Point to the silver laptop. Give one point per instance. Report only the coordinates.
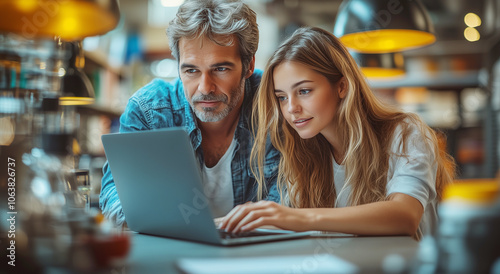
(158, 181)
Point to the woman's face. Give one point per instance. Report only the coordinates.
(307, 100)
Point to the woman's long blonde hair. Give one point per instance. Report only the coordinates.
(365, 125)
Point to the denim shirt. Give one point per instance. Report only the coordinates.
(161, 104)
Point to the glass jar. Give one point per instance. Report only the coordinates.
(468, 235)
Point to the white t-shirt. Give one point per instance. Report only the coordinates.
(218, 184)
(414, 176)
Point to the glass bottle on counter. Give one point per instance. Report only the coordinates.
(468, 235)
(64, 233)
(50, 204)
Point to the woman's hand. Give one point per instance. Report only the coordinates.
(400, 215)
(250, 216)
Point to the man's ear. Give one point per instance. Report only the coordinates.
(343, 87)
(251, 68)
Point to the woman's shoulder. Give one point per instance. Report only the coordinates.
(412, 125)
(412, 133)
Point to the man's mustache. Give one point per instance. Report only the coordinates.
(209, 97)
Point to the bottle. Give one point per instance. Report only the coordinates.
(48, 201)
(468, 235)
(64, 232)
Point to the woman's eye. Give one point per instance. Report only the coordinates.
(304, 91)
(281, 98)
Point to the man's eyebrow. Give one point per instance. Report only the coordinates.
(223, 64)
(294, 85)
(184, 65)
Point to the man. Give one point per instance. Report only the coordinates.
(214, 42)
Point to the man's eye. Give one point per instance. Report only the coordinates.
(190, 71)
(221, 69)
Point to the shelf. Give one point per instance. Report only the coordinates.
(442, 80)
(99, 59)
(100, 110)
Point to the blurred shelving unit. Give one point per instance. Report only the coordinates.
(97, 119)
(110, 77)
(450, 93)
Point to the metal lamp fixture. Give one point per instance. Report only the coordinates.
(67, 19)
(382, 26)
(378, 66)
(76, 86)
(60, 20)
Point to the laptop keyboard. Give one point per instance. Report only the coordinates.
(226, 235)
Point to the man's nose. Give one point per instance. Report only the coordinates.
(206, 85)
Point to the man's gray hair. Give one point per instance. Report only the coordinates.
(217, 20)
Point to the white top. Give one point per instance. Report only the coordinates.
(414, 176)
(218, 184)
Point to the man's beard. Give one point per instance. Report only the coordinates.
(209, 114)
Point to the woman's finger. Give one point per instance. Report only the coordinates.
(241, 215)
(223, 223)
(236, 215)
(250, 217)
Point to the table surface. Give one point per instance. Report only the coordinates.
(151, 254)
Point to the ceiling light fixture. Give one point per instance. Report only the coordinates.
(379, 66)
(171, 3)
(70, 19)
(378, 26)
(472, 20)
(76, 86)
(471, 34)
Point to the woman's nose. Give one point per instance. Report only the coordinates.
(293, 106)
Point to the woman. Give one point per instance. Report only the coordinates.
(349, 163)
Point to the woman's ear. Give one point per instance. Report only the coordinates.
(342, 87)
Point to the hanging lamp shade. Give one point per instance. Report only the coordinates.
(67, 19)
(381, 26)
(76, 86)
(379, 66)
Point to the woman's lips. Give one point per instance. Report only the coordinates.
(301, 122)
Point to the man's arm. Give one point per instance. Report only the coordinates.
(108, 198)
(273, 157)
(273, 194)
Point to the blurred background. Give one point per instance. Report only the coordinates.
(68, 68)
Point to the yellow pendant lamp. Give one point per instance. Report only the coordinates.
(382, 26)
(64, 21)
(68, 19)
(380, 66)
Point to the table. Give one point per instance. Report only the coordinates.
(152, 254)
